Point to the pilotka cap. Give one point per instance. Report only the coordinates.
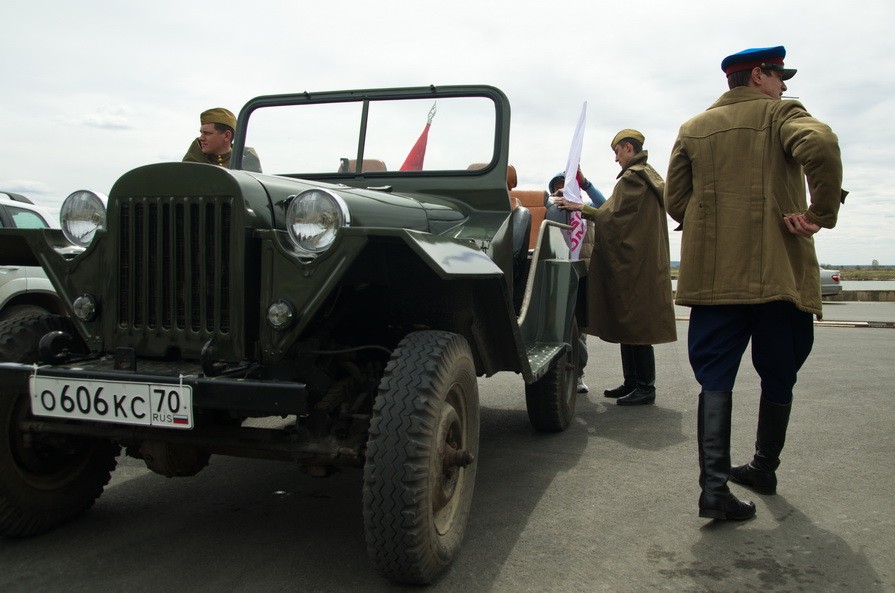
(218, 115)
(627, 133)
(768, 58)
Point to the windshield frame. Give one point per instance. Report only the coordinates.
(366, 98)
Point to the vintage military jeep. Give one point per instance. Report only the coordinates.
(335, 314)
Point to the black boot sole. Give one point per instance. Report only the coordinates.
(742, 509)
(616, 394)
(724, 516)
(628, 400)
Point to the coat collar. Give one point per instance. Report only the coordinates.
(637, 159)
(738, 95)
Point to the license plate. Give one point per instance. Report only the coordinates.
(145, 404)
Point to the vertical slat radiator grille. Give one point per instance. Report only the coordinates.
(174, 265)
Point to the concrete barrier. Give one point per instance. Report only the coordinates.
(873, 296)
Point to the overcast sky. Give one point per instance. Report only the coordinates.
(94, 88)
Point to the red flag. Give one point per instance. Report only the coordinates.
(414, 160)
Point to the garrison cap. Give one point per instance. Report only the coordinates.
(770, 58)
(218, 115)
(627, 133)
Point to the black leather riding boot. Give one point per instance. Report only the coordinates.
(630, 383)
(644, 367)
(713, 434)
(760, 474)
(644, 360)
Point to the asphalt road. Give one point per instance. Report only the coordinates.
(841, 312)
(608, 505)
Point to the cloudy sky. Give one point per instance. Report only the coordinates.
(94, 88)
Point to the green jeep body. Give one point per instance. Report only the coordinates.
(362, 353)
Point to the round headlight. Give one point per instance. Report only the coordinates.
(313, 219)
(280, 314)
(85, 307)
(82, 214)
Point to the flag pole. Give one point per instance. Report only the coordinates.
(417, 154)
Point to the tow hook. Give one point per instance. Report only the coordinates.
(53, 347)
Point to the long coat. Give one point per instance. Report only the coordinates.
(629, 282)
(735, 171)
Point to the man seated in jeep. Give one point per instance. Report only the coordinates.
(214, 144)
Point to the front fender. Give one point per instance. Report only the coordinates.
(308, 285)
(48, 249)
(450, 258)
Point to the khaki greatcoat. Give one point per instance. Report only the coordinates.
(735, 171)
(250, 160)
(629, 281)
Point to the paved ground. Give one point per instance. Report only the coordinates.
(841, 311)
(609, 505)
(858, 311)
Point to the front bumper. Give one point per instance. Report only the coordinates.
(228, 393)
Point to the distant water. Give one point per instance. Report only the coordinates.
(868, 284)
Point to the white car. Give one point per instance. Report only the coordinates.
(829, 282)
(25, 290)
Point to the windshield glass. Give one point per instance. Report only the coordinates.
(447, 134)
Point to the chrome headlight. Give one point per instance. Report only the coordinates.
(85, 307)
(313, 219)
(280, 314)
(82, 214)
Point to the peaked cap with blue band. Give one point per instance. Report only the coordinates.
(768, 58)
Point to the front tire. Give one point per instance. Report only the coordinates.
(420, 471)
(44, 482)
(21, 311)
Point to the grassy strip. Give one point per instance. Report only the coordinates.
(863, 273)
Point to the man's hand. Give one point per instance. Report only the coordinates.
(798, 224)
(567, 205)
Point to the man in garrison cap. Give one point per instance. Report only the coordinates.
(215, 141)
(629, 280)
(736, 183)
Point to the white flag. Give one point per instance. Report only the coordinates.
(571, 189)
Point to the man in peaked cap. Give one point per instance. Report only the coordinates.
(766, 58)
(629, 281)
(214, 144)
(736, 183)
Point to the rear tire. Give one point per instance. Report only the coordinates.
(420, 468)
(551, 399)
(44, 481)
